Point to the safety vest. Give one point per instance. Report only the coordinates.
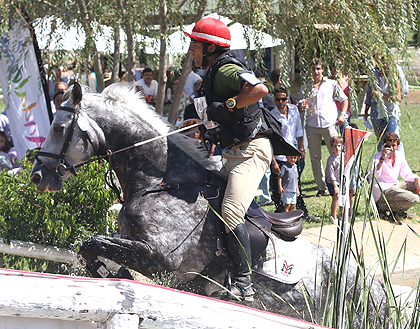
(244, 123)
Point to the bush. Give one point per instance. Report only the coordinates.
(62, 219)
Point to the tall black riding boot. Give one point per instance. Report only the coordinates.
(239, 247)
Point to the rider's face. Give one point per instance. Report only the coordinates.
(196, 49)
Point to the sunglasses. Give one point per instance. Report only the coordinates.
(283, 99)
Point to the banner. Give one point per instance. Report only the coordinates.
(353, 139)
(22, 89)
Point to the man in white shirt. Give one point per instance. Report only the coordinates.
(148, 85)
(189, 84)
(291, 127)
(319, 96)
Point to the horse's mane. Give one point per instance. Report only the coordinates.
(124, 93)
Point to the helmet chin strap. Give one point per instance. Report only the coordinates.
(206, 53)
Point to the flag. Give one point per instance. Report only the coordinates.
(23, 93)
(353, 140)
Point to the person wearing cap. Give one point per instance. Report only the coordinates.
(231, 96)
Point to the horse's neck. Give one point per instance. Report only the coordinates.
(141, 169)
(136, 165)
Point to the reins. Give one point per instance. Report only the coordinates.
(63, 166)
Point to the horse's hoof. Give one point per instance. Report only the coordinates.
(123, 273)
(97, 269)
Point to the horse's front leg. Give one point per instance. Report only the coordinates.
(135, 255)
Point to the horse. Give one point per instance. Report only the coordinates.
(169, 221)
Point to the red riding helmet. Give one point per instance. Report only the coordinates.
(211, 30)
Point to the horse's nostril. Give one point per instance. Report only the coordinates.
(36, 178)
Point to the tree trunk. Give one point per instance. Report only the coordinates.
(160, 99)
(97, 67)
(128, 29)
(186, 68)
(176, 99)
(117, 54)
(91, 45)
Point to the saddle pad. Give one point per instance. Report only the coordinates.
(285, 261)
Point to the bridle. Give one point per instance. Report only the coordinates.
(63, 166)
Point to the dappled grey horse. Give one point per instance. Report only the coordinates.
(168, 222)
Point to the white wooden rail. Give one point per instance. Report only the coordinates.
(32, 300)
(35, 250)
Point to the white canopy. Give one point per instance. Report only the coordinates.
(178, 42)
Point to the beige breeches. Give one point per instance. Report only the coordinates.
(245, 166)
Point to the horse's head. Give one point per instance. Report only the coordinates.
(72, 139)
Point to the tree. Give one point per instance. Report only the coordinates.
(355, 30)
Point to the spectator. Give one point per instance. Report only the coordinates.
(194, 132)
(265, 197)
(319, 96)
(53, 81)
(332, 174)
(278, 83)
(4, 125)
(288, 115)
(60, 87)
(183, 102)
(148, 85)
(388, 103)
(288, 183)
(189, 84)
(389, 193)
(4, 158)
(343, 82)
(88, 77)
(58, 98)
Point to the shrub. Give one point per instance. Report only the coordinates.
(62, 219)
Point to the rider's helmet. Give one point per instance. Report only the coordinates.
(211, 31)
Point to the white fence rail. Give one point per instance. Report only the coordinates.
(42, 301)
(35, 250)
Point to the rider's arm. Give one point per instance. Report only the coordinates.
(250, 94)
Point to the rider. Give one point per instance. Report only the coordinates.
(231, 93)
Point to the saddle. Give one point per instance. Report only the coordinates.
(260, 222)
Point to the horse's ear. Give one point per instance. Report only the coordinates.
(76, 95)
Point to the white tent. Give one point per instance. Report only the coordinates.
(74, 38)
(178, 42)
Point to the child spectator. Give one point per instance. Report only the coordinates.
(288, 183)
(332, 174)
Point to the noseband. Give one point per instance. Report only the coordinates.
(62, 166)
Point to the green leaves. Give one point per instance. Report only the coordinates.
(62, 219)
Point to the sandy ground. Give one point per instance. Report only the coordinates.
(397, 237)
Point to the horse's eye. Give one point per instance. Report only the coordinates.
(58, 129)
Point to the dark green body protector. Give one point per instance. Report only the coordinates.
(244, 123)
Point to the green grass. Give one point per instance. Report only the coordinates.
(320, 206)
(1, 106)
